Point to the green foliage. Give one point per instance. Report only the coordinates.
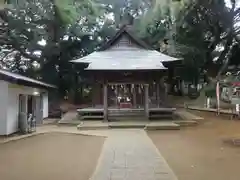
(31, 22)
(72, 11)
(152, 29)
(174, 6)
(74, 28)
(210, 90)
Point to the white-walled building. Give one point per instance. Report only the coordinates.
(19, 97)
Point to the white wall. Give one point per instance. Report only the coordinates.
(12, 111)
(2, 4)
(3, 107)
(13, 104)
(45, 105)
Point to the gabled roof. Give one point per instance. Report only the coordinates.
(124, 51)
(124, 30)
(22, 80)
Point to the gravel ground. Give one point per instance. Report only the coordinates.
(51, 156)
(198, 153)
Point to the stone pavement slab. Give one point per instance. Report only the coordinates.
(69, 118)
(164, 125)
(147, 125)
(131, 155)
(185, 115)
(222, 111)
(53, 128)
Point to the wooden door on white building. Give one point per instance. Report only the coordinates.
(23, 110)
(38, 109)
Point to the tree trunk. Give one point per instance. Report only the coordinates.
(227, 50)
(228, 45)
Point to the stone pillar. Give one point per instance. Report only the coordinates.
(146, 92)
(105, 101)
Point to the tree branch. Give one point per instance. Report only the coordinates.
(7, 54)
(228, 44)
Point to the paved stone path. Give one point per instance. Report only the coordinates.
(126, 155)
(131, 155)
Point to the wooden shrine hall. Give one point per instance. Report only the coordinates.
(127, 77)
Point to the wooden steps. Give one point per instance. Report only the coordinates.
(116, 114)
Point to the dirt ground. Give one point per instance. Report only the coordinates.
(198, 153)
(50, 156)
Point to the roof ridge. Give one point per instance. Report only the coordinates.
(122, 30)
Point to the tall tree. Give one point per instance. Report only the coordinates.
(39, 38)
(216, 24)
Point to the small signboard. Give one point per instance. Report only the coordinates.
(235, 96)
(235, 100)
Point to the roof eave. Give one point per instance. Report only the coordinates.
(12, 79)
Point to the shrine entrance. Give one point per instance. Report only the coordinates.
(126, 75)
(133, 101)
(126, 96)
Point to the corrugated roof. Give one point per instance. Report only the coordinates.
(24, 78)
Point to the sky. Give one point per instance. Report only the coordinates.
(228, 3)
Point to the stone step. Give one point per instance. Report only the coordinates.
(126, 114)
(90, 117)
(92, 126)
(127, 118)
(68, 123)
(127, 125)
(162, 126)
(156, 116)
(183, 114)
(188, 123)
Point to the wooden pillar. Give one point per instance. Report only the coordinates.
(158, 93)
(105, 101)
(170, 79)
(134, 96)
(115, 96)
(146, 92)
(94, 95)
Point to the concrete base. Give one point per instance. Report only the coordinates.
(185, 115)
(129, 124)
(68, 123)
(222, 111)
(186, 119)
(187, 123)
(162, 125)
(92, 125)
